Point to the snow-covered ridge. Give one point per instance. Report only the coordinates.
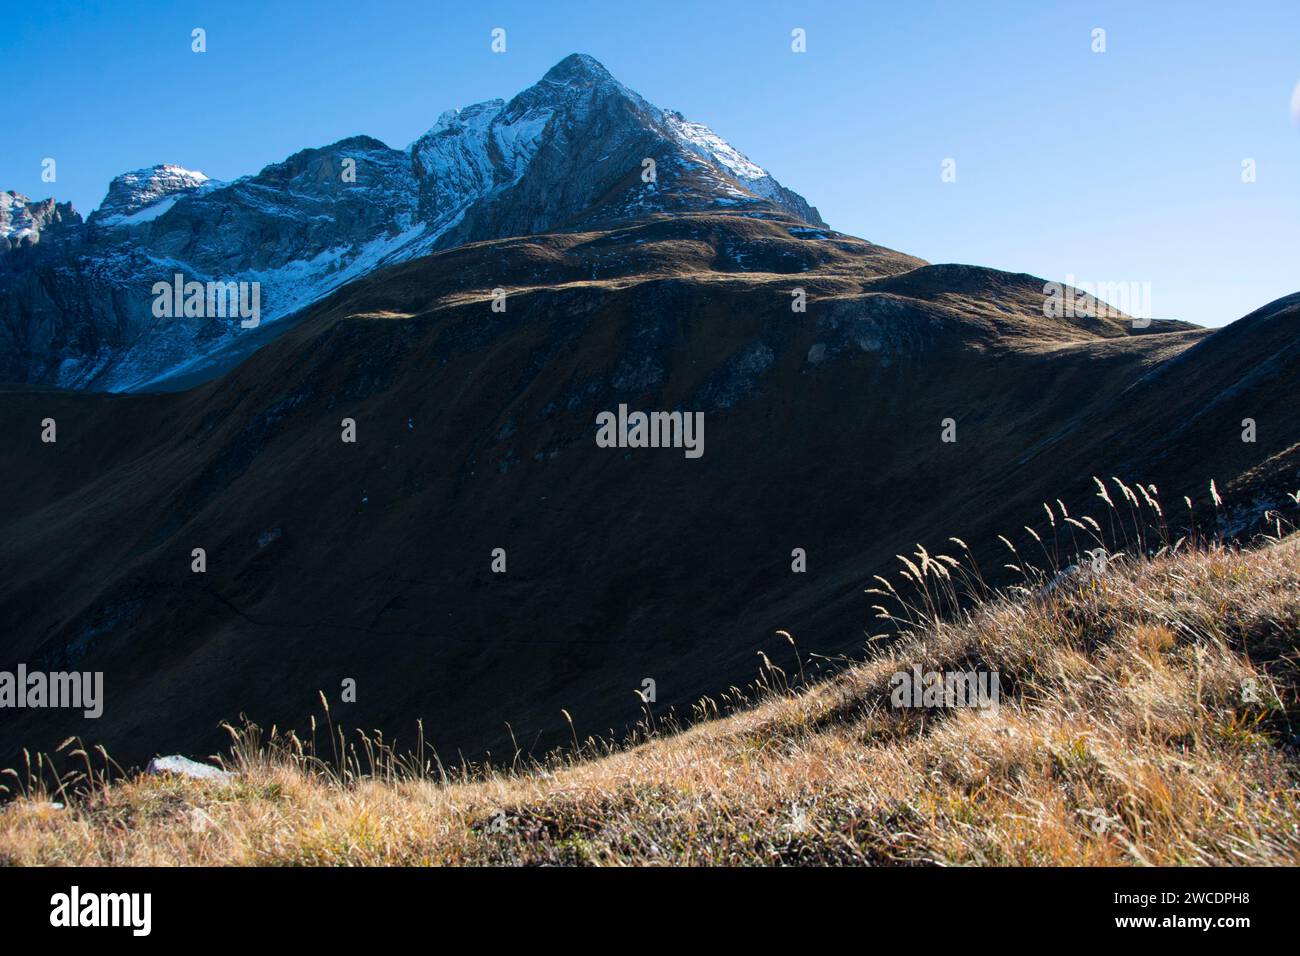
(453, 156)
(709, 145)
(476, 150)
(144, 194)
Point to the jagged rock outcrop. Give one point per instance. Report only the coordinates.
(23, 221)
(145, 194)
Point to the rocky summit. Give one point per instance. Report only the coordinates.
(574, 150)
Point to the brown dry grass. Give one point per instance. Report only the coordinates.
(1146, 718)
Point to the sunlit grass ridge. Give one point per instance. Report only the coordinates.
(1146, 717)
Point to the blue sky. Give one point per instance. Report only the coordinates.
(1123, 166)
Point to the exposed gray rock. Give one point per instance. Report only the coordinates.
(22, 221)
(184, 767)
(141, 193)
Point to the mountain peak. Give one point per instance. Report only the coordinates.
(578, 68)
(140, 189)
(569, 152)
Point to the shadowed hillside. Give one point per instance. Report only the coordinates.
(371, 561)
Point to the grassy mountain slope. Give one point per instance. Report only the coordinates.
(1147, 716)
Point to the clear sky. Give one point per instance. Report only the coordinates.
(1122, 166)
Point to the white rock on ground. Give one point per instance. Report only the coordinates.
(185, 767)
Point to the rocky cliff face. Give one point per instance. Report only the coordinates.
(23, 221)
(569, 152)
(146, 194)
